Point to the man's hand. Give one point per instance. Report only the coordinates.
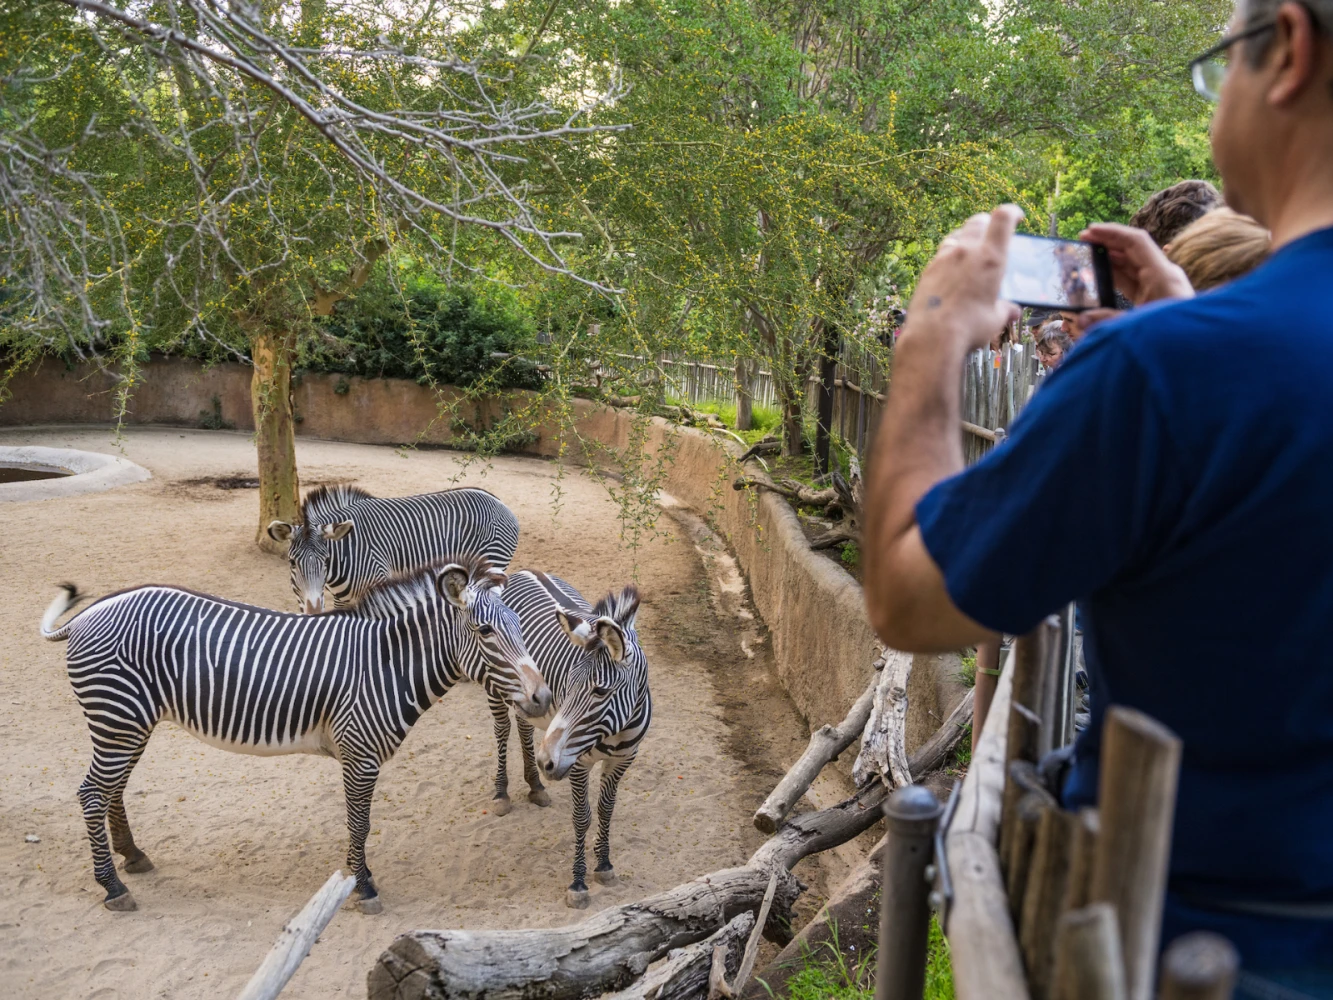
(957, 299)
(1142, 271)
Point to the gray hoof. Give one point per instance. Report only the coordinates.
(501, 807)
(577, 899)
(138, 866)
(541, 797)
(123, 903)
(607, 877)
(370, 906)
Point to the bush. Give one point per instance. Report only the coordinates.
(449, 334)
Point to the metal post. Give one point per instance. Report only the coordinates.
(904, 914)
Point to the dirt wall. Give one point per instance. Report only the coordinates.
(822, 640)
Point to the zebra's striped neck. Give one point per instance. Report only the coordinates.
(322, 504)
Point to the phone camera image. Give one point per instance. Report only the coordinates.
(1047, 272)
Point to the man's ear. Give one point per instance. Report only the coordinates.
(578, 630)
(279, 531)
(336, 532)
(612, 638)
(453, 581)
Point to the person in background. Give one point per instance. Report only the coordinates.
(1220, 247)
(1052, 343)
(1169, 211)
(1180, 479)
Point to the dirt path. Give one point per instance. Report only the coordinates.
(241, 842)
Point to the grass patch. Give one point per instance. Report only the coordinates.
(828, 975)
(764, 420)
(851, 555)
(968, 672)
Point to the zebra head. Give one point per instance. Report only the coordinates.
(490, 647)
(606, 687)
(310, 551)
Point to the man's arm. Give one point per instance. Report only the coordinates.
(955, 309)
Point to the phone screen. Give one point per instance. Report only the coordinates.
(1056, 274)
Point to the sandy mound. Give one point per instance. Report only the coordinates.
(241, 842)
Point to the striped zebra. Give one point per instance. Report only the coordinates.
(598, 675)
(349, 540)
(348, 685)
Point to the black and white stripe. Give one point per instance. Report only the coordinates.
(598, 675)
(347, 685)
(349, 541)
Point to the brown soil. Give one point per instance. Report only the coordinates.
(241, 842)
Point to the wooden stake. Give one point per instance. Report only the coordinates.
(1137, 800)
(1048, 874)
(297, 938)
(987, 676)
(1079, 884)
(1089, 964)
(1199, 966)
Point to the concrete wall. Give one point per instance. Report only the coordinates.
(822, 640)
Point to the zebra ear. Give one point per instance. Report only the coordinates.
(579, 631)
(612, 638)
(627, 606)
(279, 531)
(496, 578)
(336, 532)
(453, 581)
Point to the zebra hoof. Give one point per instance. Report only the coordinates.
(577, 899)
(540, 797)
(607, 877)
(370, 906)
(501, 807)
(137, 866)
(123, 903)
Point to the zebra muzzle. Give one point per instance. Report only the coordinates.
(537, 697)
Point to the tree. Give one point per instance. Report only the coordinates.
(188, 168)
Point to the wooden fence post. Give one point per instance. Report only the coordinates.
(1140, 765)
(1199, 966)
(1089, 964)
(904, 914)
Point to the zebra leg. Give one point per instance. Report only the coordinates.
(577, 896)
(612, 772)
(122, 840)
(537, 793)
(500, 713)
(105, 779)
(359, 777)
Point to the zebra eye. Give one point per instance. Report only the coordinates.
(599, 691)
(486, 629)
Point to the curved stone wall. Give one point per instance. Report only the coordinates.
(822, 640)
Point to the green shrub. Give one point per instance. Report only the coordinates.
(449, 334)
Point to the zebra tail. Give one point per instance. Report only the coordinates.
(68, 597)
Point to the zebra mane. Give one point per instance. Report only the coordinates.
(324, 501)
(390, 598)
(620, 606)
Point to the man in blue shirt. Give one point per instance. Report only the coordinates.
(1175, 476)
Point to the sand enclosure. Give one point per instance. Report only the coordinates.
(241, 842)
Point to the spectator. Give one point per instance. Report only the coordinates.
(1168, 212)
(1220, 247)
(1180, 479)
(1052, 343)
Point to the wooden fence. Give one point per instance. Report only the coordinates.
(996, 386)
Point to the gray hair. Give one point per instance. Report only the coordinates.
(1258, 11)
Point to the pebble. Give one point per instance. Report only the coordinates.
(32, 838)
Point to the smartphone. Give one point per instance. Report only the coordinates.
(1057, 274)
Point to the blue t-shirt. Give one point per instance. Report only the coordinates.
(1175, 476)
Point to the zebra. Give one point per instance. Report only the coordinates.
(349, 540)
(598, 675)
(348, 684)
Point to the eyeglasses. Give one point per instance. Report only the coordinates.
(1210, 69)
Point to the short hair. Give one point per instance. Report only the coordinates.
(1220, 247)
(1258, 11)
(1170, 210)
(1052, 334)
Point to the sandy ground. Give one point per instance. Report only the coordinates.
(241, 842)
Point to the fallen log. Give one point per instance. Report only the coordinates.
(796, 492)
(297, 938)
(812, 832)
(883, 753)
(826, 743)
(684, 973)
(932, 754)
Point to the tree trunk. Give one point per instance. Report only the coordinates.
(828, 370)
(744, 401)
(275, 431)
